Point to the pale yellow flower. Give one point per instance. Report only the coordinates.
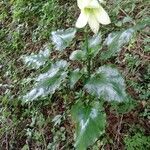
(93, 14)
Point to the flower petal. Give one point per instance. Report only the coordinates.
(82, 20)
(93, 4)
(93, 23)
(102, 16)
(82, 3)
(101, 1)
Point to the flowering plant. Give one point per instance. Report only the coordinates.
(99, 83)
(92, 13)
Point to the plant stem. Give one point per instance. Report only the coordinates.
(88, 54)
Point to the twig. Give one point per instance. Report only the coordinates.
(117, 138)
(7, 144)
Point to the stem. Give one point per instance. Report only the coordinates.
(88, 54)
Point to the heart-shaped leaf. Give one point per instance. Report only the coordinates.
(49, 82)
(108, 84)
(62, 38)
(90, 124)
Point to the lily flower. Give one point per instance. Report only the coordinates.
(93, 14)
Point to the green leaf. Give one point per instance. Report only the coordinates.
(35, 61)
(124, 107)
(94, 45)
(142, 24)
(62, 38)
(49, 82)
(74, 77)
(78, 55)
(127, 19)
(90, 124)
(108, 84)
(115, 41)
(57, 120)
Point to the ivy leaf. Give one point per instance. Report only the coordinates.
(90, 124)
(35, 61)
(49, 82)
(78, 55)
(62, 38)
(115, 41)
(107, 83)
(74, 77)
(94, 45)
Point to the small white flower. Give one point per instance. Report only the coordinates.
(92, 13)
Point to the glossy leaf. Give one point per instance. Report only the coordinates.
(90, 124)
(115, 41)
(78, 55)
(35, 61)
(49, 82)
(62, 38)
(108, 84)
(74, 77)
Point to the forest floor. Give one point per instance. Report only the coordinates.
(25, 27)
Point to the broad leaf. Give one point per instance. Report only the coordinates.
(90, 124)
(35, 61)
(62, 38)
(108, 84)
(78, 55)
(94, 45)
(74, 77)
(49, 82)
(115, 41)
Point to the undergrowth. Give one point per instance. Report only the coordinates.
(25, 28)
